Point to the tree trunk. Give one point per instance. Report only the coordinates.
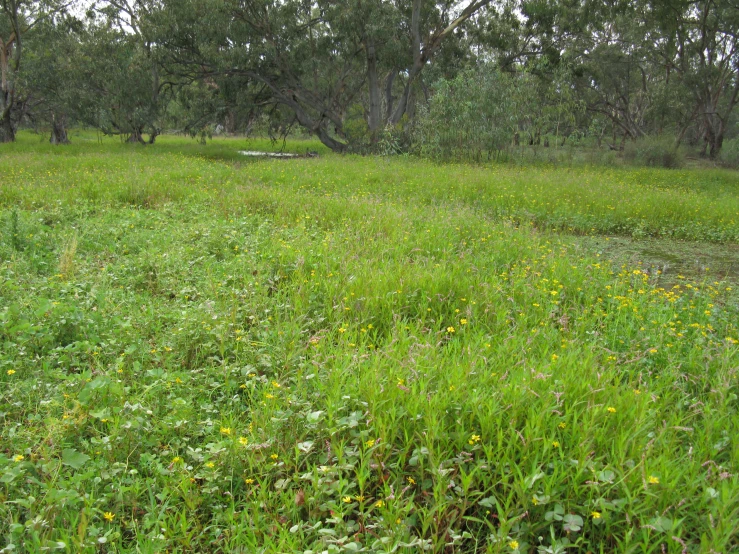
(136, 136)
(418, 62)
(430, 46)
(10, 60)
(328, 140)
(704, 148)
(410, 109)
(716, 145)
(229, 122)
(58, 131)
(389, 93)
(714, 127)
(7, 133)
(374, 92)
(714, 141)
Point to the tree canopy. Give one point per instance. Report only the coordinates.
(350, 72)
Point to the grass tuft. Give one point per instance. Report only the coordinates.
(67, 257)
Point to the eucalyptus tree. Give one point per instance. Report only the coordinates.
(697, 45)
(661, 65)
(429, 24)
(12, 27)
(136, 19)
(18, 18)
(317, 59)
(606, 46)
(647, 66)
(473, 115)
(117, 86)
(52, 75)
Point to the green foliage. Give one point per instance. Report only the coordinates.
(482, 112)
(654, 152)
(119, 84)
(469, 117)
(730, 153)
(357, 130)
(394, 140)
(338, 355)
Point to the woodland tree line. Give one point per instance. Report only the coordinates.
(362, 75)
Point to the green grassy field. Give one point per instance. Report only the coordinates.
(205, 353)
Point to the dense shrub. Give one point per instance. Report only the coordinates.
(484, 114)
(729, 155)
(655, 152)
(469, 118)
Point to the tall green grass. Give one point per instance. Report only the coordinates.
(686, 204)
(351, 354)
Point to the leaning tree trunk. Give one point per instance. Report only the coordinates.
(58, 131)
